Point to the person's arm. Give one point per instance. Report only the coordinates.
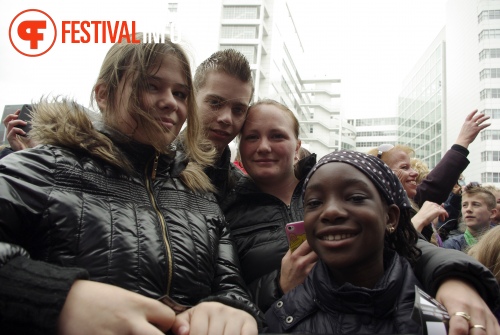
(438, 264)
(440, 181)
(32, 292)
(459, 296)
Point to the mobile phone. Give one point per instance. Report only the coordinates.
(25, 115)
(295, 233)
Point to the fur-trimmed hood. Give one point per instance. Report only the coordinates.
(66, 123)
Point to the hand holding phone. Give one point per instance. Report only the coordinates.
(25, 115)
(295, 233)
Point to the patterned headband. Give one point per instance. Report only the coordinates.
(374, 168)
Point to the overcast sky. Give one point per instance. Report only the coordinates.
(370, 45)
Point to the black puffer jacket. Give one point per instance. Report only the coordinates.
(153, 236)
(320, 306)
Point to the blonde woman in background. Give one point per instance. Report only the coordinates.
(487, 251)
(421, 168)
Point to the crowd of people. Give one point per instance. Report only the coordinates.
(135, 220)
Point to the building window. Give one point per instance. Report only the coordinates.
(489, 53)
(489, 73)
(490, 93)
(242, 32)
(489, 33)
(490, 156)
(489, 15)
(311, 129)
(490, 135)
(490, 177)
(493, 113)
(372, 144)
(377, 133)
(240, 12)
(249, 51)
(172, 7)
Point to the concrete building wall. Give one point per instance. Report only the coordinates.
(467, 57)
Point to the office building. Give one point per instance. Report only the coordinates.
(422, 105)
(372, 132)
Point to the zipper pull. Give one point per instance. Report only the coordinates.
(155, 165)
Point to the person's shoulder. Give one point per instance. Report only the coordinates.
(5, 150)
(453, 242)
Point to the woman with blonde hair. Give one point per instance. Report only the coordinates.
(487, 251)
(106, 217)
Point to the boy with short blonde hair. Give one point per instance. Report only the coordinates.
(478, 211)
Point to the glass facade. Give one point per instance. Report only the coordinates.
(377, 133)
(382, 121)
(421, 109)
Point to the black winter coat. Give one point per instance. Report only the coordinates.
(320, 306)
(153, 236)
